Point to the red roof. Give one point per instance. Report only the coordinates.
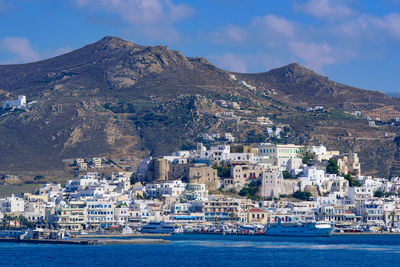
(256, 210)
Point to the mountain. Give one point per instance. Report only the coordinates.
(305, 87)
(115, 98)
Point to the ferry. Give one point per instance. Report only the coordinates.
(158, 228)
(310, 229)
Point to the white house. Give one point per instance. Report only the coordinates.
(20, 102)
(172, 188)
(196, 192)
(229, 137)
(217, 153)
(100, 212)
(360, 193)
(91, 178)
(12, 204)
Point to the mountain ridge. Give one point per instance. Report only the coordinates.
(114, 98)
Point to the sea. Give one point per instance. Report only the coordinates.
(216, 250)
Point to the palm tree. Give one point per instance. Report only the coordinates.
(22, 221)
(324, 214)
(232, 215)
(366, 217)
(4, 222)
(14, 218)
(393, 213)
(7, 221)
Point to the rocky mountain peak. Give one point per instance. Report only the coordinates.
(116, 42)
(294, 71)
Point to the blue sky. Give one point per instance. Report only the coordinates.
(351, 41)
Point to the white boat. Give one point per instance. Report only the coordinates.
(158, 228)
(312, 229)
(250, 229)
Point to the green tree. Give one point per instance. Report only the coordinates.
(303, 195)
(250, 191)
(38, 177)
(133, 178)
(352, 181)
(287, 175)
(223, 171)
(307, 157)
(253, 137)
(378, 193)
(332, 167)
(5, 221)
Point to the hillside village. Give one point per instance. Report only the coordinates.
(242, 141)
(114, 98)
(255, 185)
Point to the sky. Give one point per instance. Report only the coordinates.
(355, 42)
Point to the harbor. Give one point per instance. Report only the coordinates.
(214, 250)
(89, 241)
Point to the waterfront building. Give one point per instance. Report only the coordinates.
(220, 208)
(257, 216)
(72, 216)
(100, 213)
(121, 214)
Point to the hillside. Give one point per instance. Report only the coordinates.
(115, 98)
(306, 88)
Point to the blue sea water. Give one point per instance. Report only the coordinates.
(215, 250)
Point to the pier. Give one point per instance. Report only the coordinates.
(89, 241)
(121, 235)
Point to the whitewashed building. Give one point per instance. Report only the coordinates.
(20, 102)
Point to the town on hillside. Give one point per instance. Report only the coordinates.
(210, 188)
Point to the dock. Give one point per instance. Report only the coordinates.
(121, 235)
(89, 241)
(366, 233)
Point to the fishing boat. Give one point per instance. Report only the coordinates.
(307, 229)
(158, 228)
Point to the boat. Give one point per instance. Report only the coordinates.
(307, 229)
(158, 228)
(251, 229)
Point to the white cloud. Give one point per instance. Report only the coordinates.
(269, 29)
(318, 55)
(230, 34)
(156, 16)
(20, 49)
(325, 9)
(389, 23)
(278, 26)
(230, 62)
(344, 36)
(314, 55)
(365, 30)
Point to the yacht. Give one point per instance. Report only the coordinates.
(158, 228)
(308, 229)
